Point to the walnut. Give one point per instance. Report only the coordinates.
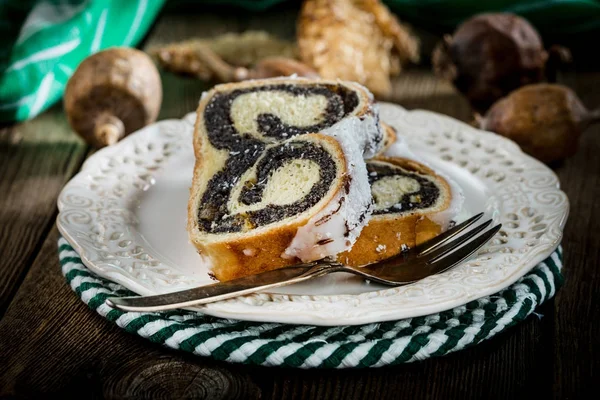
(546, 120)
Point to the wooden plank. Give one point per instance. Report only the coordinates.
(577, 326)
(418, 88)
(36, 159)
(51, 343)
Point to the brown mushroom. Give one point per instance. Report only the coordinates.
(111, 94)
(546, 120)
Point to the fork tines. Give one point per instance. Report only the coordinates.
(451, 247)
(440, 239)
(455, 257)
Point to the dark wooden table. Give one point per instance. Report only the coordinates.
(52, 344)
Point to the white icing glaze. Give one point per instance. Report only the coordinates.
(352, 209)
(375, 142)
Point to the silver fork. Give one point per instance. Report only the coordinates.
(432, 257)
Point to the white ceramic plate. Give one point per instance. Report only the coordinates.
(125, 214)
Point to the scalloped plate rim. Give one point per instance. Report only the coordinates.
(259, 313)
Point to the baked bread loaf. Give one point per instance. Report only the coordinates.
(407, 195)
(279, 174)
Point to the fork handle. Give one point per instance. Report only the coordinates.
(224, 290)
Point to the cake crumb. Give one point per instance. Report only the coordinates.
(249, 252)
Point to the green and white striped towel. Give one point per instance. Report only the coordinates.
(304, 346)
(42, 42)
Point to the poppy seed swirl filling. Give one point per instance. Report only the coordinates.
(262, 143)
(396, 190)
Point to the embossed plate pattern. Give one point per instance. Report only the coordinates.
(124, 213)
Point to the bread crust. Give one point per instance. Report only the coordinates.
(386, 235)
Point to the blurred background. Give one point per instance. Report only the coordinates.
(51, 37)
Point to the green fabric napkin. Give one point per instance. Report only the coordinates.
(42, 42)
